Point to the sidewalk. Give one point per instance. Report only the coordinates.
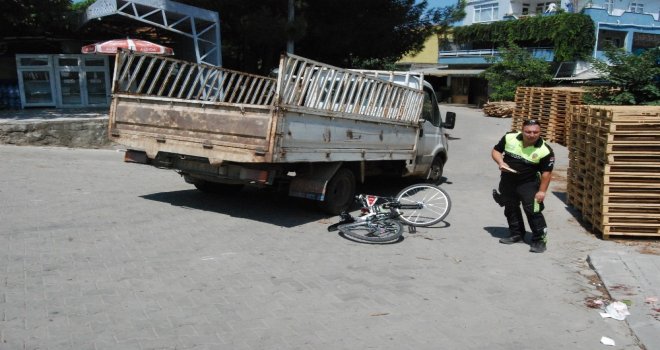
(635, 277)
(43, 114)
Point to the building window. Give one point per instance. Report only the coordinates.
(541, 7)
(611, 37)
(636, 7)
(525, 9)
(610, 6)
(486, 13)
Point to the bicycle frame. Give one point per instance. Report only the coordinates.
(371, 209)
(418, 205)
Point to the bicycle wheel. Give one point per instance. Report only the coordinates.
(385, 230)
(434, 201)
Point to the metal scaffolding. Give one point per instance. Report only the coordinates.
(202, 26)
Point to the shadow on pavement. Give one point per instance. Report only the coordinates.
(349, 238)
(561, 196)
(575, 213)
(264, 206)
(497, 231)
(270, 206)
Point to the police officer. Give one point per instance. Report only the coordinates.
(526, 163)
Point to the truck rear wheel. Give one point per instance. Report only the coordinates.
(339, 192)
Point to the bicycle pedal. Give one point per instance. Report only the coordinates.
(412, 229)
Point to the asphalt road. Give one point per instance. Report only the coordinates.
(100, 254)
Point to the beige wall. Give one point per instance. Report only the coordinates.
(428, 55)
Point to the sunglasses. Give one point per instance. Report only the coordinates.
(531, 122)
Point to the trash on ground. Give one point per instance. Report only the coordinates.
(607, 341)
(594, 303)
(616, 310)
(651, 300)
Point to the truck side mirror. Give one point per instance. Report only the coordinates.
(450, 120)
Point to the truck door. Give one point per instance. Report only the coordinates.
(431, 133)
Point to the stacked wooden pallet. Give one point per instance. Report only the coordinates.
(614, 168)
(501, 109)
(549, 106)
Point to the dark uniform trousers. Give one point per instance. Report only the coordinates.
(513, 194)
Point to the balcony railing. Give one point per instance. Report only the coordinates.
(545, 53)
(457, 53)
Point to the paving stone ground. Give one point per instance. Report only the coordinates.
(100, 254)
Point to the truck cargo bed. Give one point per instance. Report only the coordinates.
(312, 112)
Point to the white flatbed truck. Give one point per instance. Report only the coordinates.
(315, 129)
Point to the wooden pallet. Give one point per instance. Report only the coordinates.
(634, 158)
(635, 220)
(631, 189)
(550, 106)
(629, 231)
(614, 162)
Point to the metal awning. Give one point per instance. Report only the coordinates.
(202, 26)
(576, 71)
(451, 72)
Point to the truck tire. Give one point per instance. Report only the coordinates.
(434, 175)
(217, 188)
(339, 192)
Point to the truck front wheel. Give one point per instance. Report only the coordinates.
(339, 192)
(434, 176)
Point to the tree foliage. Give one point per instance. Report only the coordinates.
(570, 34)
(512, 68)
(633, 79)
(348, 33)
(36, 17)
(82, 5)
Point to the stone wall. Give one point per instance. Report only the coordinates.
(82, 133)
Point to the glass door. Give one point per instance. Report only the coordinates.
(37, 88)
(70, 88)
(69, 81)
(35, 80)
(97, 94)
(63, 80)
(97, 81)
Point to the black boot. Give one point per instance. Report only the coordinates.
(511, 239)
(537, 246)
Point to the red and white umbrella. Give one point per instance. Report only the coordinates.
(110, 47)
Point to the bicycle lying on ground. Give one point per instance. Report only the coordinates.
(416, 205)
